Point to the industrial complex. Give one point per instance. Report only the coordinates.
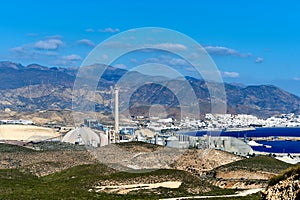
(167, 132)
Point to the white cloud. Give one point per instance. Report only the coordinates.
(169, 46)
(105, 30)
(121, 66)
(51, 44)
(89, 30)
(231, 74)
(109, 30)
(177, 61)
(50, 53)
(105, 57)
(134, 60)
(72, 57)
(69, 60)
(54, 37)
(26, 52)
(296, 79)
(147, 47)
(23, 52)
(129, 38)
(86, 42)
(117, 44)
(259, 60)
(191, 69)
(193, 56)
(18, 49)
(219, 50)
(167, 60)
(153, 60)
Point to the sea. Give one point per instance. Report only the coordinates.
(277, 146)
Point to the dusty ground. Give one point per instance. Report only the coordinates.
(26, 132)
(147, 156)
(238, 184)
(243, 174)
(238, 194)
(124, 189)
(61, 117)
(199, 162)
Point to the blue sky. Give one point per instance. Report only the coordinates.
(252, 42)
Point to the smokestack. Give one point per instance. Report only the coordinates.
(116, 113)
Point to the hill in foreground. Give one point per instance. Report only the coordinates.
(68, 172)
(64, 171)
(285, 186)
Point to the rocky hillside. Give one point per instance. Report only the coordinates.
(132, 156)
(52, 157)
(35, 87)
(60, 168)
(284, 186)
(248, 173)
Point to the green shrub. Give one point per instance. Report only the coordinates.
(292, 171)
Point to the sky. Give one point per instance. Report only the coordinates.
(251, 42)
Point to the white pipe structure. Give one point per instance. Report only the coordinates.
(116, 113)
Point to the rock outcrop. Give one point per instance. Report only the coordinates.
(287, 189)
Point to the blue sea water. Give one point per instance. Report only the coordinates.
(258, 132)
(278, 146)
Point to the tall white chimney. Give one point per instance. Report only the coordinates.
(116, 113)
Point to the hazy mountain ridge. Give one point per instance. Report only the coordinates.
(14, 76)
(36, 87)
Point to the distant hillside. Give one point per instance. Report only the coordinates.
(261, 100)
(14, 76)
(35, 87)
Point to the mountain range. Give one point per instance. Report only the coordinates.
(35, 87)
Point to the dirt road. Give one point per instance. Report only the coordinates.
(240, 194)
